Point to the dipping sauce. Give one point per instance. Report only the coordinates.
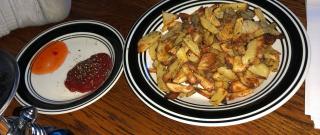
(90, 74)
(50, 58)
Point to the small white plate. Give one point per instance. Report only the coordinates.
(83, 39)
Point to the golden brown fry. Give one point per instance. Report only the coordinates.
(237, 86)
(252, 50)
(228, 73)
(250, 80)
(160, 72)
(162, 54)
(217, 98)
(168, 20)
(152, 51)
(260, 15)
(179, 88)
(205, 83)
(206, 61)
(152, 70)
(235, 6)
(182, 54)
(148, 40)
(205, 93)
(172, 71)
(260, 70)
(238, 28)
(180, 77)
(192, 45)
(207, 25)
(232, 96)
(192, 57)
(210, 17)
(237, 65)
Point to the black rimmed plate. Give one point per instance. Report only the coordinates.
(83, 39)
(274, 92)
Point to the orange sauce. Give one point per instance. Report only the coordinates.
(50, 58)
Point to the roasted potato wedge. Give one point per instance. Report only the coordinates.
(228, 73)
(208, 25)
(192, 45)
(168, 20)
(252, 50)
(260, 70)
(217, 98)
(179, 88)
(148, 40)
(205, 83)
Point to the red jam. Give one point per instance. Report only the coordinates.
(90, 74)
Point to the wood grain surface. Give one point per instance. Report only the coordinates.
(121, 112)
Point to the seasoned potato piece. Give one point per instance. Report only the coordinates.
(206, 61)
(196, 37)
(153, 51)
(259, 14)
(216, 46)
(237, 86)
(235, 95)
(182, 95)
(218, 13)
(249, 27)
(208, 38)
(180, 77)
(179, 88)
(235, 6)
(219, 77)
(227, 32)
(192, 57)
(205, 83)
(148, 40)
(221, 84)
(192, 45)
(172, 95)
(160, 73)
(182, 54)
(250, 80)
(228, 73)
(168, 20)
(205, 93)
(238, 28)
(217, 98)
(252, 50)
(271, 58)
(152, 70)
(227, 49)
(207, 25)
(260, 69)
(209, 16)
(162, 53)
(172, 71)
(238, 66)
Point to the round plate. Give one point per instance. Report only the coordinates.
(83, 39)
(195, 110)
(9, 79)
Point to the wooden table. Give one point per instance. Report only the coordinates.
(121, 112)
